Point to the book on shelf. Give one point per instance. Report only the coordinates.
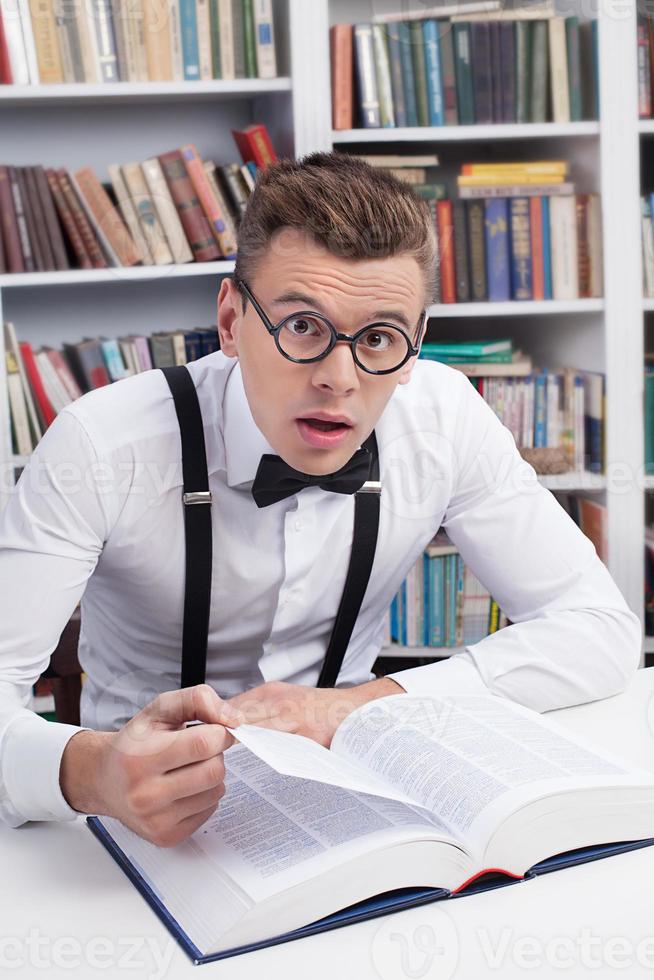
(497, 66)
(110, 41)
(592, 517)
(416, 800)
(171, 208)
(42, 381)
(441, 603)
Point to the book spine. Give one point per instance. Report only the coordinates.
(340, 36)
(17, 407)
(508, 72)
(574, 68)
(208, 202)
(408, 79)
(36, 384)
(107, 217)
(383, 73)
(482, 72)
(559, 71)
(157, 41)
(265, 38)
(547, 249)
(517, 190)
(14, 65)
(214, 24)
(583, 246)
(104, 32)
(189, 208)
(21, 221)
(644, 70)
(167, 211)
(9, 230)
(397, 81)
(536, 227)
(563, 232)
(475, 211)
(254, 145)
(151, 227)
(65, 42)
(128, 212)
(226, 28)
(44, 29)
(595, 245)
(446, 250)
(419, 72)
(497, 249)
(540, 72)
(461, 252)
(540, 408)
(249, 42)
(120, 39)
(91, 246)
(523, 65)
(496, 71)
(135, 52)
(238, 38)
(521, 265)
(52, 225)
(435, 106)
(203, 19)
(366, 77)
(189, 32)
(234, 186)
(34, 229)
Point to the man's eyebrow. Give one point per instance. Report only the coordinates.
(311, 303)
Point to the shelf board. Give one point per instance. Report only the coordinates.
(121, 92)
(648, 304)
(17, 461)
(454, 134)
(649, 483)
(75, 277)
(646, 127)
(573, 481)
(648, 644)
(516, 308)
(436, 653)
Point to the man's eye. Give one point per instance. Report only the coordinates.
(303, 326)
(378, 339)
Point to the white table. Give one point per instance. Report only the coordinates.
(67, 911)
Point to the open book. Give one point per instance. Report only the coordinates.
(417, 799)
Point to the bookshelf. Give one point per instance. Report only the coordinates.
(72, 125)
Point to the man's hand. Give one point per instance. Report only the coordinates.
(312, 711)
(156, 776)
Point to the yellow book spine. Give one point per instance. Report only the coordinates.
(508, 180)
(553, 167)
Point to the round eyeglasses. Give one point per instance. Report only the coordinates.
(307, 336)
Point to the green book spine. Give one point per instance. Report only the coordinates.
(504, 358)
(463, 68)
(215, 39)
(523, 70)
(419, 72)
(476, 236)
(574, 69)
(471, 349)
(238, 27)
(250, 45)
(540, 71)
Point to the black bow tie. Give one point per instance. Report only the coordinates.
(276, 480)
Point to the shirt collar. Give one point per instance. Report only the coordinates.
(245, 443)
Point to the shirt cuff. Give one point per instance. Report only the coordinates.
(31, 759)
(455, 675)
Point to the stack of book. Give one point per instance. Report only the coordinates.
(441, 603)
(41, 382)
(136, 41)
(517, 231)
(171, 208)
(507, 66)
(541, 408)
(591, 517)
(645, 64)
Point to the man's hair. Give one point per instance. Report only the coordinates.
(352, 209)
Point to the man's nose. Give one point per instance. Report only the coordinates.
(338, 371)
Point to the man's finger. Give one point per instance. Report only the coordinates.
(172, 708)
(192, 745)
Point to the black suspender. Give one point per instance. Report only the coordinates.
(197, 527)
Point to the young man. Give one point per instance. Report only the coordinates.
(319, 332)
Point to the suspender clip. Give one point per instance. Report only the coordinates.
(198, 497)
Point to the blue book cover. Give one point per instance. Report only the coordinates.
(454, 583)
(189, 31)
(408, 78)
(404, 613)
(397, 79)
(498, 265)
(521, 258)
(394, 634)
(547, 248)
(540, 410)
(433, 70)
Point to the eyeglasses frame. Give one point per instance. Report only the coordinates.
(274, 331)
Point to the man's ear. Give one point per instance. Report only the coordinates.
(229, 317)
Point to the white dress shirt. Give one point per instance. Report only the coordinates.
(97, 515)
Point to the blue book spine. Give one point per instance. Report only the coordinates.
(434, 595)
(408, 78)
(397, 79)
(189, 32)
(460, 566)
(540, 410)
(498, 266)
(521, 258)
(404, 614)
(454, 581)
(547, 248)
(394, 634)
(435, 107)
(426, 600)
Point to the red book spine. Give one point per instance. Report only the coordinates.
(446, 249)
(6, 78)
(583, 246)
(340, 37)
(34, 378)
(254, 144)
(195, 224)
(98, 260)
(11, 238)
(208, 202)
(537, 258)
(67, 220)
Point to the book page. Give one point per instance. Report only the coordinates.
(273, 831)
(472, 760)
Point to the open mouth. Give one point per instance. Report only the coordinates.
(323, 426)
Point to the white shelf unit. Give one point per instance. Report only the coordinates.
(103, 124)
(602, 335)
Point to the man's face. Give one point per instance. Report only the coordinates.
(297, 274)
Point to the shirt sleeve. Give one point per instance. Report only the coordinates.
(572, 637)
(51, 534)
